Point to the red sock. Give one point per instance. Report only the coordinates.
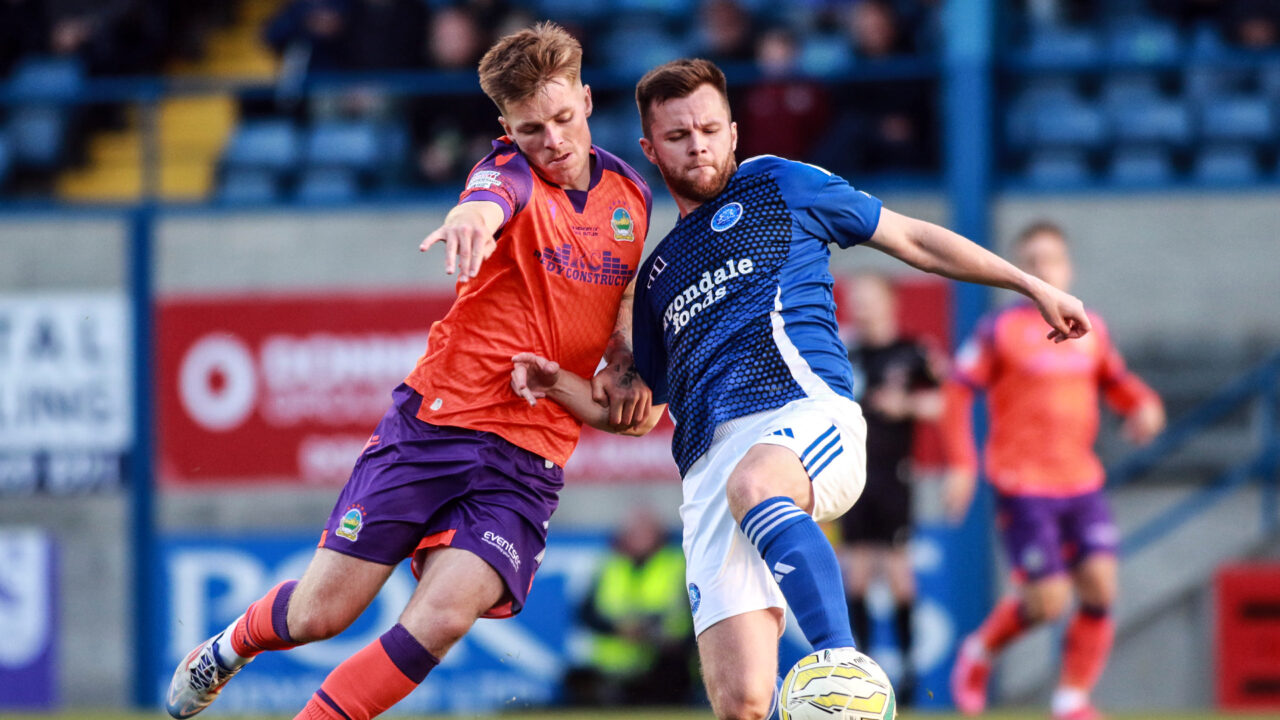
(372, 680)
(1006, 622)
(1086, 646)
(263, 626)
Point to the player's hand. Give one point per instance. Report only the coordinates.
(1144, 423)
(1064, 313)
(467, 243)
(618, 386)
(957, 493)
(532, 376)
(892, 402)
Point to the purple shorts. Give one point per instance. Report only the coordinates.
(1047, 535)
(419, 486)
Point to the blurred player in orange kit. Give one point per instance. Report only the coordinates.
(1056, 526)
(461, 474)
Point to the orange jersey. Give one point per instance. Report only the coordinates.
(1042, 401)
(552, 286)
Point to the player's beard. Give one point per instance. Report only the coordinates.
(699, 191)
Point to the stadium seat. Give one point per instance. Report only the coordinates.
(47, 78)
(1207, 42)
(265, 144)
(38, 134)
(1128, 88)
(825, 55)
(1141, 166)
(1057, 168)
(1242, 118)
(6, 158)
(1269, 80)
(354, 145)
(1069, 125)
(1151, 121)
(328, 185)
(633, 52)
(1060, 47)
(1040, 96)
(1203, 83)
(1226, 164)
(1143, 41)
(249, 185)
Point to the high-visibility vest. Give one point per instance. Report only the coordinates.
(625, 590)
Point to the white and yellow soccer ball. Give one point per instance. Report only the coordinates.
(837, 684)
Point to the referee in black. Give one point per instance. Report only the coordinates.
(899, 386)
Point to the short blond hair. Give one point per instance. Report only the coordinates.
(518, 65)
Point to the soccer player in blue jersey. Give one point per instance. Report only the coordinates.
(734, 327)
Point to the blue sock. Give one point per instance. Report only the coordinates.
(804, 564)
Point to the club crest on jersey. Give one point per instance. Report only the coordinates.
(726, 217)
(623, 228)
(695, 598)
(351, 523)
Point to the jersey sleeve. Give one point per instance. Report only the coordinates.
(1122, 389)
(649, 349)
(503, 177)
(846, 216)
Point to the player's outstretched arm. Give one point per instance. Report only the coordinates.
(467, 235)
(534, 377)
(937, 250)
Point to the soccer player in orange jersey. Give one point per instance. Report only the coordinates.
(1042, 400)
(461, 474)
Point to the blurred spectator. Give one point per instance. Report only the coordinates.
(642, 646)
(781, 113)
(452, 132)
(110, 38)
(725, 34)
(1254, 24)
(311, 33)
(874, 31)
(386, 35)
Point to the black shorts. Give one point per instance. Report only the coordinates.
(882, 515)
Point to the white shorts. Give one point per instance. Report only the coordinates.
(726, 575)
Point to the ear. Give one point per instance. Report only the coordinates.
(586, 97)
(733, 137)
(647, 148)
(506, 129)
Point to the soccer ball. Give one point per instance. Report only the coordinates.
(837, 684)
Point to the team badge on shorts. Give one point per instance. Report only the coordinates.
(695, 598)
(352, 521)
(623, 228)
(726, 217)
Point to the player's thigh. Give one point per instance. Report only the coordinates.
(740, 661)
(1096, 580)
(827, 437)
(456, 587)
(332, 593)
(767, 471)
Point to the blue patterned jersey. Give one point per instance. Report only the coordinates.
(734, 312)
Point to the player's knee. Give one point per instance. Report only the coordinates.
(442, 627)
(742, 703)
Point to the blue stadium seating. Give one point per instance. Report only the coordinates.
(634, 51)
(6, 158)
(267, 144)
(1128, 88)
(1053, 46)
(1151, 121)
(1144, 42)
(1057, 169)
(825, 55)
(1269, 80)
(249, 185)
(1141, 166)
(1228, 164)
(319, 186)
(1245, 118)
(1069, 125)
(38, 134)
(47, 78)
(352, 145)
(1203, 83)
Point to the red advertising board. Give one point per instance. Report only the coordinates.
(287, 388)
